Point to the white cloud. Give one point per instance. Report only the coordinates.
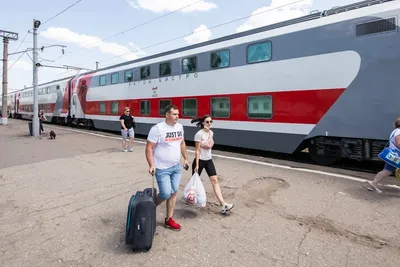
(64, 35)
(280, 10)
(159, 6)
(200, 34)
(133, 4)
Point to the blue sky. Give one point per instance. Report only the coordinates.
(82, 27)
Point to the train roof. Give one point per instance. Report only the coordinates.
(312, 16)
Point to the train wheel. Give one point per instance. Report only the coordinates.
(318, 154)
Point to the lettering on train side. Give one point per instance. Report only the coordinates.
(174, 78)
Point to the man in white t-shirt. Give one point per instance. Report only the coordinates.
(165, 144)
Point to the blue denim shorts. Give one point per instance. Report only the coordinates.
(389, 168)
(168, 180)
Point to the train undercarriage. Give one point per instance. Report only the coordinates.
(327, 150)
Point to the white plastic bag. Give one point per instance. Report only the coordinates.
(194, 193)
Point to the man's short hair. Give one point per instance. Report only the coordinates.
(169, 108)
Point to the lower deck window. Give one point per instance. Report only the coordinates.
(220, 107)
(114, 107)
(259, 107)
(163, 105)
(189, 107)
(102, 108)
(144, 107)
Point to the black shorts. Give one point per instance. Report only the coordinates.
(208, 165)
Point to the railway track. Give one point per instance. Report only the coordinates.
(297, 158)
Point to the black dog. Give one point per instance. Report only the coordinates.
(52, 135)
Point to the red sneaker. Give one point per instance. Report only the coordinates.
(172, 224)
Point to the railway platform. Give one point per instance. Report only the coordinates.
(64, 202)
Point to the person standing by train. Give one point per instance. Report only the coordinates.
(203, 160)
(394, 143)
(127, 129)
(42, 118)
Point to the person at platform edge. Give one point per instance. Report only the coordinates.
(165, 144)
(394, 142)
(127, 129)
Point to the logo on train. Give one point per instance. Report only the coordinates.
(154, 91)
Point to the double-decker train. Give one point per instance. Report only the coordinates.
(327, 81)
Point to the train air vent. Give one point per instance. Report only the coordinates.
(382, 25)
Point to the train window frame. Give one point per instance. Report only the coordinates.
(100, 80)
(140, 107)
(105, 107)
(258, 43)
(161, 111)
(112, 78)
(114, 109)
(183, 107)
(218, 51)
(211, 107)
(170, 69)
(125, 76)
(141, 72)
(195, 69)
(260, 118)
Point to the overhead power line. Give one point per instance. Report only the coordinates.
(212, 27)
(61, 12)
(135, 27)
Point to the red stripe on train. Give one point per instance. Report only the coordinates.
(306, 106)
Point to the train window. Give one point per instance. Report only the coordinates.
(144, 107)
(128, 76)
(189, 64)
(48, 90)
(259, 52)
(189, 107)
(165, 69)
(114, 107)
(163, 104)
(58, 87)
(115, 78)
(220, 59)
(259, 107)
(145, 73)
(220, 107)
(102, 108)
(102, 80)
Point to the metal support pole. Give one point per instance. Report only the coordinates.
(35, 121)
(4, 94)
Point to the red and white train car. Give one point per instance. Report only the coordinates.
(309, 82)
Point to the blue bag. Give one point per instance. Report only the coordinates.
(391, 155)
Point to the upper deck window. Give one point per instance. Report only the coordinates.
(128, 76)
(220, 59)
(259, 52)
(145, 73)
(115, 78)
(189, 64)
(165, 69)
(102, 80)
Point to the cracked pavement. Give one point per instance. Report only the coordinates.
(63, 202)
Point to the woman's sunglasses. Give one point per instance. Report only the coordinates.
(211, 121)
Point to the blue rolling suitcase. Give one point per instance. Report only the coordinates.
(141, 219)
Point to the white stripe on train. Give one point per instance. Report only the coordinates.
(271, 127)
(342, 176)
